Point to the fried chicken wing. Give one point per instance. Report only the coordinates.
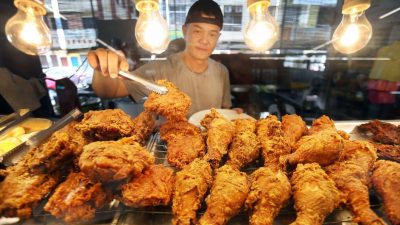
(143, 125)
(323, 147)
(152, 188)
(219, 135)
(191, 185)
(273, 143)
(77, 198)
(227, 196)
(386, 181)
(108, 161)
(352, 178)
(385, 133)
(105, 125)
(174, 105)
(315, 194)
(184, 142)
(293, 127)
(269, 192)
(20, 193)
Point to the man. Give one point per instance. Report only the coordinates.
(192, 71)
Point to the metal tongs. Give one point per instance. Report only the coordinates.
(149, 85)
(13, 119)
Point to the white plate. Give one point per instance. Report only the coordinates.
(227, 113)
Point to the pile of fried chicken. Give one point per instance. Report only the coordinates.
(228, 167)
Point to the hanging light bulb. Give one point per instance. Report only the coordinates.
(262, 31)
(151, 29)
(354, 31)
(26, 30)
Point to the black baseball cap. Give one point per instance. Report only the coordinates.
(205, 11)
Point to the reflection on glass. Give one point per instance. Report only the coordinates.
(27, 31)
(262, 31)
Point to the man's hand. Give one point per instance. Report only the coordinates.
(238, 110)
(107, 62)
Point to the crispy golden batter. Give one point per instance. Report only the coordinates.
(77, 198)
(143, 125)
(352, 178)
(152, 188)
(386, 181)
(105, 125)
(325, 122)
(191, 185)
(323, 147)
(20, 193)
(315, 194)
(108, 161)
(219, 135)
(76, 138)
(227, 196)
(184, 142)
(245, 147)
(174, 105)
(269, 192)
(273, 143)
(293, 127)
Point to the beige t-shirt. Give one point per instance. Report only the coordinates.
(208, 89)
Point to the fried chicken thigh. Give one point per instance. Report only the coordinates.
(105, 125)
(386, 181)
(245, 147)
(191, 185)
(219, 135)
(152, 188)
(77, 198)
(293, 127)
(143, 125)
(352, 178)
(108, 161)
(174, 105)
(184, 142)
(315, 194)
(273, 143)
(227, 196)
(269, 192)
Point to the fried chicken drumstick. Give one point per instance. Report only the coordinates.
(351, 176)
(293, 127)
(227, 196)
(315, 194)
(191, 185)
(269, 192)
(386, 181)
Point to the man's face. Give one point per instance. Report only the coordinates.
(201, 39)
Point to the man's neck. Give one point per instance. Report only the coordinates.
(195, 65)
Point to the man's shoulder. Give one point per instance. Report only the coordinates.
(215, 65)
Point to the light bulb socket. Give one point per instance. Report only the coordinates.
(257, 4)
(32, 6)
(146, 5)
(355, 6)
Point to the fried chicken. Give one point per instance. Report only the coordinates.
(269, 192)
(227, 196)
(323, 147)
(382, 132)
(77, 198)
(293, 127)
(20, 193)
(273, 143)
(76, 138)
(143, 125)
(325, 122)
(219, 135)
(108, 161)
(352, 178)
(105, 125)
(174, 105)
(245, 147)
(184, 142)
(315, 194)
(152, 188)
(386, 181)
(191, 185)
(391, 152)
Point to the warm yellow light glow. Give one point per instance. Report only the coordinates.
(352, 34)
(27, 32)
(262, 31)
(151, 30)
